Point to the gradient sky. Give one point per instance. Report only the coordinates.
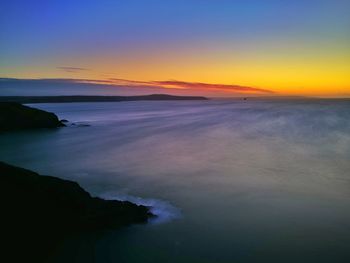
(279, 47)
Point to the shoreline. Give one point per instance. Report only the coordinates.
(43, 211)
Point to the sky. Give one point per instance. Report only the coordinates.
(216, 48)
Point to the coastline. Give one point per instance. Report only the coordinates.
(15, 116)
(40, 212)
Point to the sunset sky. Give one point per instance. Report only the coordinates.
(223, 48)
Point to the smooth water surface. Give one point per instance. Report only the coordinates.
(232, 181)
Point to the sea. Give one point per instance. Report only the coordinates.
(230, 180)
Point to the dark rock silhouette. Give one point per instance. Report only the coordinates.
(14, 116)
(39, 212)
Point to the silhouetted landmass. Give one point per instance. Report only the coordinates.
(39, 212)
(14, 116)
(61, 99)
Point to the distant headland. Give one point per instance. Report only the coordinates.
(81, 98)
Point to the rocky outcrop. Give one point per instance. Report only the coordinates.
(14, 116)
(39, 212)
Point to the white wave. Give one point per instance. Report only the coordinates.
(163, 210)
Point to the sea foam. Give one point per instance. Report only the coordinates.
(163, 210)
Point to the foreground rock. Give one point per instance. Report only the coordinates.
(14, 116)
(39, 212)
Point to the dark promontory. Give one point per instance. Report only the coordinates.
(39, 212)
(14, 116)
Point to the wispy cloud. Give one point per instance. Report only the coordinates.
(175, 84)
(172, 86)
(209, 86)
(72, 69)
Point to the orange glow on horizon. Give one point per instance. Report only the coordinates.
(286, 72)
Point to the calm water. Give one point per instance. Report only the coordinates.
(232, 181)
